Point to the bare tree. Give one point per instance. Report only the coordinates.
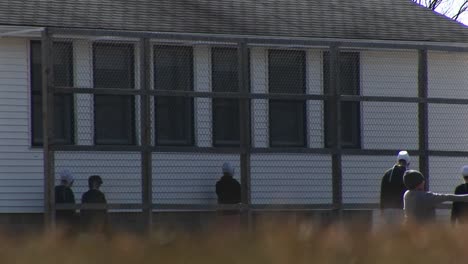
(450, 8)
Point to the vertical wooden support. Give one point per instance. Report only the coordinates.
(145, 128)
(335, 129)
(244, 126)
(48, 128)
(423, 116)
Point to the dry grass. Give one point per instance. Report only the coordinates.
(272, 243)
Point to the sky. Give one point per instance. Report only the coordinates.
(450, 7)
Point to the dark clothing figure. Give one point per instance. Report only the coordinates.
(460, 209)
(94, 219)
(228, 190)
(64, 195)
(392, 188)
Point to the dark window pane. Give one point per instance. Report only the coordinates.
(350, 111)
(349, 70)
(37, 119)
(63, 64)
(114, 114)
(225, 111)
(113, 66)
(286, 71)
(224, 67)
(63, 119)
(36, 66)
(287, 123)
(63, 104)
(174, 121)
(173, 70)
(112, 119)
(350, 129)
(226, 122)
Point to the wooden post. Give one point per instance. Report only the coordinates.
(48, 128)
(335, 129)
(145, 127)
(423, 117)
(244, 126)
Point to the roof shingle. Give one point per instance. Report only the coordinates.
(351, 19)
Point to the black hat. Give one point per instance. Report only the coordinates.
(94, 178)
(412, 178)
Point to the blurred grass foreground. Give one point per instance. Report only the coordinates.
(269, 243)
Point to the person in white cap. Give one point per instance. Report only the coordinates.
(392, 190)
(64, 195)
(460, 209)
(228, 189)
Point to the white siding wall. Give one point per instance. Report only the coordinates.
(202, 83)
(291, 179)
(259, 84)
(445, 173)
(84, 106)
(120, 173)
(447, 74)
(389, 125)
(188, 178)
(448, 127)
(389, 73)
(448, 78)
(276, 178)
(315, 111)
(21, 181)
(385, 125)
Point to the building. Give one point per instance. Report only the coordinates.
(388, 51)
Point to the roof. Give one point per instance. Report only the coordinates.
(350, 19)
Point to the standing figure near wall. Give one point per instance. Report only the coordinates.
(94, 220)
(64, 195)
(228, 189)
(392, 190)
(459, 209)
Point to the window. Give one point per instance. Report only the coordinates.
(286, 71)
(225, 110)
(350, 111)
(173, 71)
(63, 103)
(113, 114)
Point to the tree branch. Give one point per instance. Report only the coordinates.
(461, 10)
(445, 7)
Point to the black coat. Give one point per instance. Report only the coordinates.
(94, 219)
(64, 195)
(228, 190)
(392, 188)
(460, 209)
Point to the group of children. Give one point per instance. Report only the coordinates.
(405, 189)
(89, 218)
(228, 191)
(403, 194)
